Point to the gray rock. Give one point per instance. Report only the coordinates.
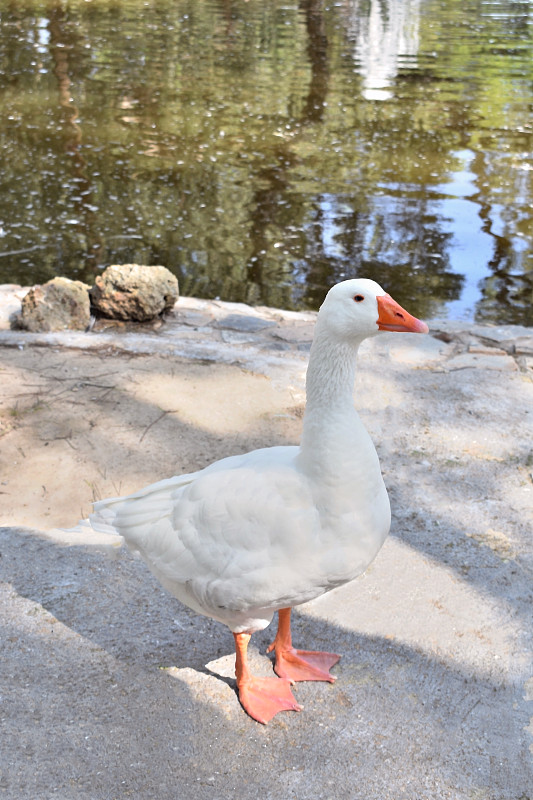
(60, 304)
(134, 292)
(196, 319)
(244, 323)
(239, 337)
(480, 361)
(523, 345)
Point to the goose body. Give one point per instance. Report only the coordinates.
(262, 532)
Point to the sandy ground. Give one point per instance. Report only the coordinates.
(111, 689)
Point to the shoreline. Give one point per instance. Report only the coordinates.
(259, 337)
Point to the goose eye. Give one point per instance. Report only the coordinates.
(359, 298)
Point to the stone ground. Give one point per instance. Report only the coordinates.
(111, 689)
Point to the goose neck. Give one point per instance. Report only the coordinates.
(330, 376)
(333, 436)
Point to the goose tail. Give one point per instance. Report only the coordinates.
(91, 533)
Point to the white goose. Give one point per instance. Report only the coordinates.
(262, 532)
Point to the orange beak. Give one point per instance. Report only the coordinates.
(392, 317)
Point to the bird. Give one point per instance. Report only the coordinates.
(262, 532)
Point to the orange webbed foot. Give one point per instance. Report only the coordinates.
(299, 665)
(263, 698)
(305, 665)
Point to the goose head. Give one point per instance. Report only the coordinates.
(358, 308)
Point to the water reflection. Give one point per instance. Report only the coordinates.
(63, 42)
(385, 37)
(264, 151)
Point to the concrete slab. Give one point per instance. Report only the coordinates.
(111, 689)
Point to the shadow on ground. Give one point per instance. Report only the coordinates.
(90, 713)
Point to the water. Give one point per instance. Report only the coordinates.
(263, 151)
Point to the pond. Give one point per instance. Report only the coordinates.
(264, 150)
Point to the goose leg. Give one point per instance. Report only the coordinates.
(262, 698)
(299, 665)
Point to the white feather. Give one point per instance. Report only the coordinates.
(275, 527)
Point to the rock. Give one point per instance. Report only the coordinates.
(480, 361)
(523, 345)
(418, 351)
(238, 337)
(11, 295)
(60, 304)
(482, 349)
(196, 319)
(244, 323)
(299, 334)
(134, 292)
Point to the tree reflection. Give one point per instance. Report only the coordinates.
(239, 143)
(65, 41)
(510, 284)
(317, 53)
